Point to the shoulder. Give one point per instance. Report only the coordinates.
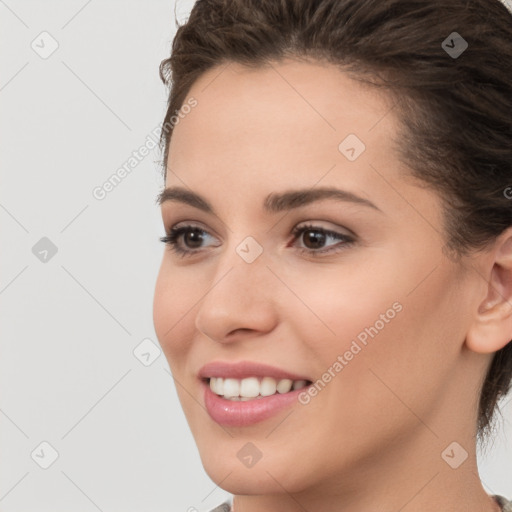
(506, 505)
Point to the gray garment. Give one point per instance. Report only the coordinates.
(224, 507)
(506, 505)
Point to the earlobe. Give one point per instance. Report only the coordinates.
(491, 329)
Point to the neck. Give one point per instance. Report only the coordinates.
(401, 479)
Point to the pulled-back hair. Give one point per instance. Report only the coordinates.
(455, 110)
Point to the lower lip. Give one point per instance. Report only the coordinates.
(232, 413)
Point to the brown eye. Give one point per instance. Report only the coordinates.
(193, 237)
(187, 240)
(315, 237)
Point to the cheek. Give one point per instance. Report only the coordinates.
(396, 346)
(338, 308)
(173, 298)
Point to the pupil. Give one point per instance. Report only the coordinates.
(189, 237)
(315, 237)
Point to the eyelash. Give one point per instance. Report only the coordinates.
(172, 236)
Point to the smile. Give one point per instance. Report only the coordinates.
(253, 387)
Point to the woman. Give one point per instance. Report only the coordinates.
(335, 300)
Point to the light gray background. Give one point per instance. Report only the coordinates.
(69, 326)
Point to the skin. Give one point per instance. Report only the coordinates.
(372, 438)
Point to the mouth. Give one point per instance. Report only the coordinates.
(231, 408)
(244, 393)
(252, 388)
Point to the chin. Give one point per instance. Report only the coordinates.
(265, 477)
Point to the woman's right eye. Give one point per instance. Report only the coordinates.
(195, 236)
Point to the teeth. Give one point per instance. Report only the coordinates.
(283, 386)
(268, 386)
(231, 388)
(299, 384)
(252, 387)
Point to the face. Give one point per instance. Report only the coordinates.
(363, 302)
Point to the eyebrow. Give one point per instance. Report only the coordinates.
(273, 203)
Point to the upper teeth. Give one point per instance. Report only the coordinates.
(251, 387)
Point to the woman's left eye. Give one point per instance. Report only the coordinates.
(316, 236)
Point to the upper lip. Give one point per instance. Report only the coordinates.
(243, 369)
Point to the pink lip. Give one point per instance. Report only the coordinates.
(242, 414)
(244, 369)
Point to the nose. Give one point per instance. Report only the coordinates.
(242, 298)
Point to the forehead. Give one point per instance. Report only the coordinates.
(279, 120)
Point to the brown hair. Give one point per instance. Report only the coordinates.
(455, 110)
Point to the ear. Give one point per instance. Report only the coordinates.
(491, 329)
